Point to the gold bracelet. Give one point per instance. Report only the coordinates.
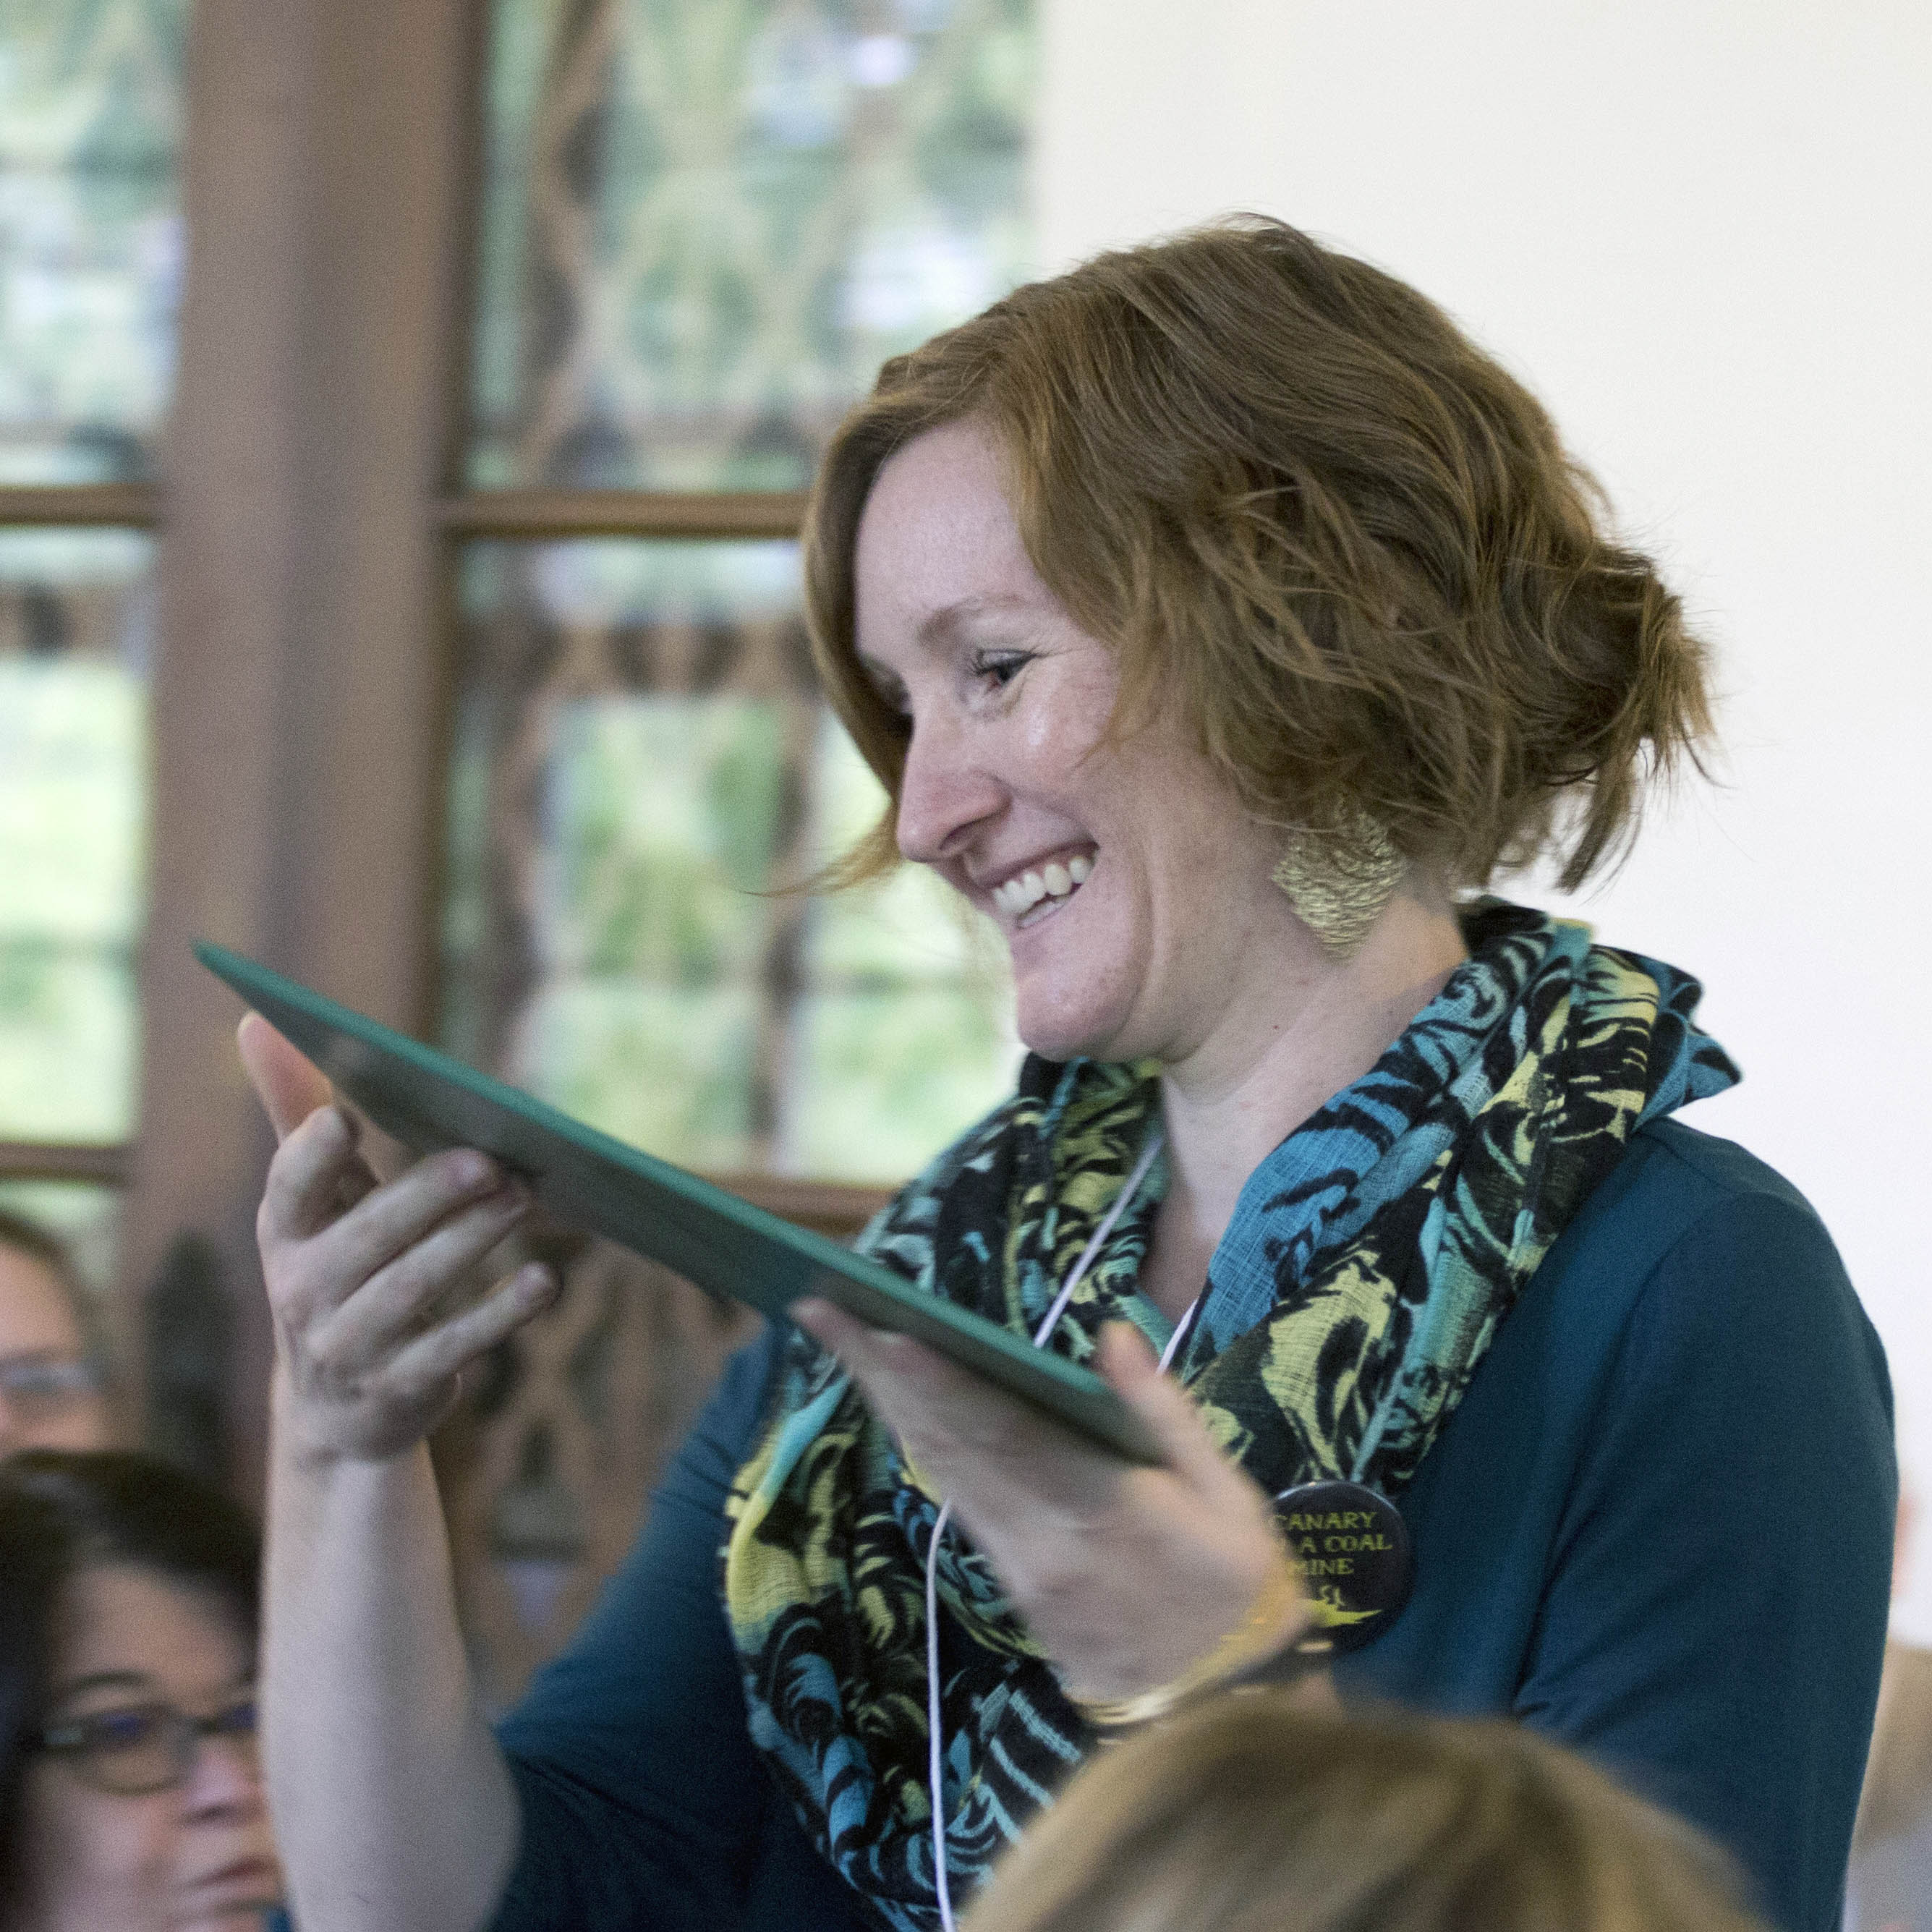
(1245, 1653)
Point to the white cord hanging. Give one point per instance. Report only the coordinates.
(935, 1753)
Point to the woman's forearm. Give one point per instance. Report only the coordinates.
(393, 1806)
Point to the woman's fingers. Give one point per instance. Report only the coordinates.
(826, 1323)
(920, 1385)
(398, 1215)
(904, 1385)
(908, 1379)
(315, 1171)
(442, 1216)
(941, 1412)
(290, 1088)
(915, 1390)
(1127, 1576)
(1130, 1368)
(357, 1270)
(392, 1302)
(428, 1362)
(375, 1411)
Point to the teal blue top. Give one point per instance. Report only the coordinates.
(1658, 1528)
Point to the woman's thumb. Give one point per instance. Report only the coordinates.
(290, 1087)
(1129, 1366)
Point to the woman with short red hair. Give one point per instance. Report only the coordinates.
(1219, 620)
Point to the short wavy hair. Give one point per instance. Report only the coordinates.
(1294, 497)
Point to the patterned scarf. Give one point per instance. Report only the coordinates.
(1370, 1258)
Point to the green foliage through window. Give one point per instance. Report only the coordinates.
(705, 223)
(91, 245)
(74, 621)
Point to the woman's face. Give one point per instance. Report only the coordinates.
(199, 1854)
(38, 1332)
(1131, 889)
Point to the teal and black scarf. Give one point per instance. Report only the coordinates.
(1370, 1258)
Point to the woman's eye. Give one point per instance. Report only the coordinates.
(238, 1721)
(1001, 668)
(120, 1730)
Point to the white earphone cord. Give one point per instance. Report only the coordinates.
(934, 1754)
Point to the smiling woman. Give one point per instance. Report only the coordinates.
(1008, 779)
(1312, 519)
(1218, 620)
(130, 1800)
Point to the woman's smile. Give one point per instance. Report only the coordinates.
(1122, 874)
(1036, 891)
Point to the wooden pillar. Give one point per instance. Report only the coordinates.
(297, 713)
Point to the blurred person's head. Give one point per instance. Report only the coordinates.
(131, 1799)
(51, 1390)
(1254, 1815)
(1897, 1794)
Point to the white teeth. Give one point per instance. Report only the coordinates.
(1056, 880)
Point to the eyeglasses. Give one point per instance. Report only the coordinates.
(138, 1748)
(43, 1385)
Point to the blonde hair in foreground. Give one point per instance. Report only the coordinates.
(1251, 1815)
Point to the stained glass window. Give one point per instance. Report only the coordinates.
(90, 234)
(643, 767)
(707, 222)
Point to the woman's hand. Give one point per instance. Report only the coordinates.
(368, 1361)
(1126, 1576)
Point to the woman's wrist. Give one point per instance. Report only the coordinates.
(1272, 1644)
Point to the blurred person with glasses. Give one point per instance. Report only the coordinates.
(52, 1393)
(131, 1797)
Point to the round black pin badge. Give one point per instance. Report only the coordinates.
(1355, 1551)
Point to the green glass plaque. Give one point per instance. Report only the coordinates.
(428, 1101)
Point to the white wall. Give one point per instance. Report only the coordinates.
(1702, 233)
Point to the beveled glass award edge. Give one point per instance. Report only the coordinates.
(428, 1100)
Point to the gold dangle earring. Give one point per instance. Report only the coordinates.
(1340, 885)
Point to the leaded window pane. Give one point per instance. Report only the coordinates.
(705, 222)
(642, 765)
(76, 618)
(91, 244)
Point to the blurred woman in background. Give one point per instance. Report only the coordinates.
(1253, 1814)
(52, 1389)
(130, 1800)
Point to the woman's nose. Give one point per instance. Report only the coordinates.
(225, 1779)
(945, 793)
